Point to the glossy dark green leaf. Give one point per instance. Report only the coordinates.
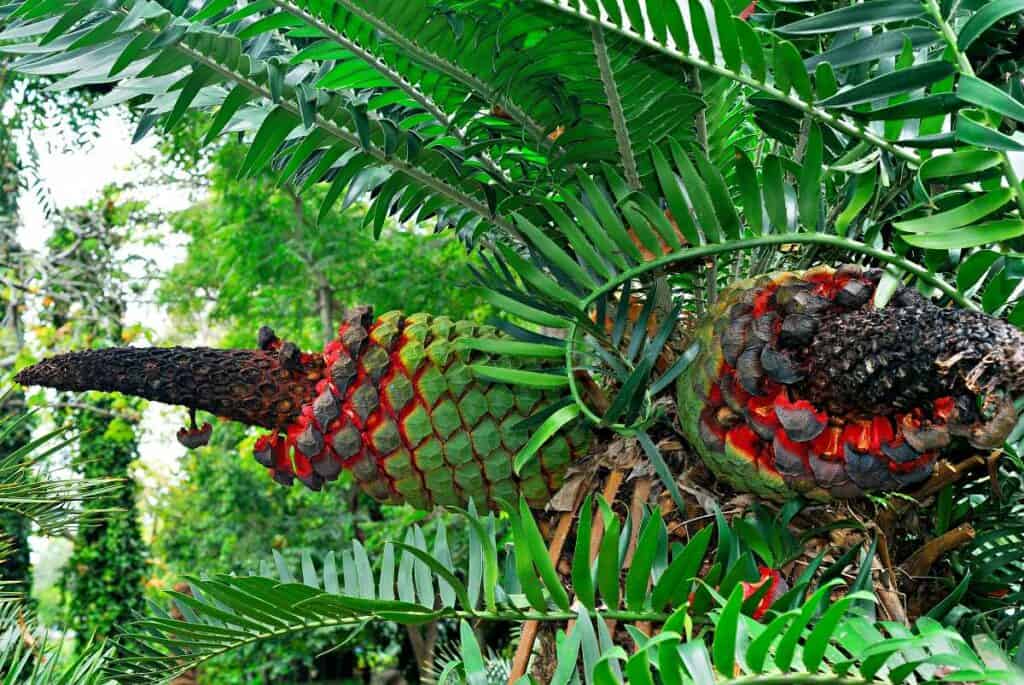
(985, 18)
(582, 247)
(942, 609)
(979, 234)
(676, 25)
(810, 192)
(775, 194)
(674, 585)
(874, 47)
(757, 651)
(614, 13)
(76, 13)
(608, 561)
(524, 311)
(974, 268)
(639, 573)
(785, 649)
(821, 634)
(983, 94)
(129, 54)
(723, 646)
(539, 437)
(667, 230)
(595, 232)
(862, 192)
(200, 77)
(524, 562)
(750, 192)
(753, 51)
(472, 657)
(609, 218)
(553, 253)
(538, 282)
(891, 84)
(641, 227)
(674, 197)
(212, 9)
(529, 379)
(538, 550)
(870, 13)
(635, 14)
(728, 41)
(272, 132)
(961, 215)
(917, 108)
(790, 71)
(959, 163)
(973, 133)
(700, 198)
(582, 578)
(702, 31)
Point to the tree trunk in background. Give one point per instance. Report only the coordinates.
(16, 568)
(325, 305)
(106, 575)
(105, 578)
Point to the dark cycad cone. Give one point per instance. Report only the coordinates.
(251, 386)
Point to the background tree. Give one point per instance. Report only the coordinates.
(16, 567)
(87, 290)
(257, 255)
(36, 108)
(29, 654)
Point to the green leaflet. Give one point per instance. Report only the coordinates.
(979, 234)
(984, 94)
(961, 163)
(973, 132)
(869, 13)
(551, 425)
(986, 18)
(889, 85)
(963, 215)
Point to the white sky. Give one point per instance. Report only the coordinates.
(74, 177)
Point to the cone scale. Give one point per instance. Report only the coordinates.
(803, 387)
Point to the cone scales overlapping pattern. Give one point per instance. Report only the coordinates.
(803, 386)
(399, 406)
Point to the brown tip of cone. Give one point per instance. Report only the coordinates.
(250, 386)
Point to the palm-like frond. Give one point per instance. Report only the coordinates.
(928, 98)
(53, 505)
(694, 591)
(28, 655)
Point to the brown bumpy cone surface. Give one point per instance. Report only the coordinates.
(251, 386)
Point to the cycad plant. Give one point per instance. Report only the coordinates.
(28, 654)
(630, 172)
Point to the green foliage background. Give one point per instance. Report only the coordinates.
(105, 577)
(256, 257)
(16, 566)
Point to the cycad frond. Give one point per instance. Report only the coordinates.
(692, 591)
